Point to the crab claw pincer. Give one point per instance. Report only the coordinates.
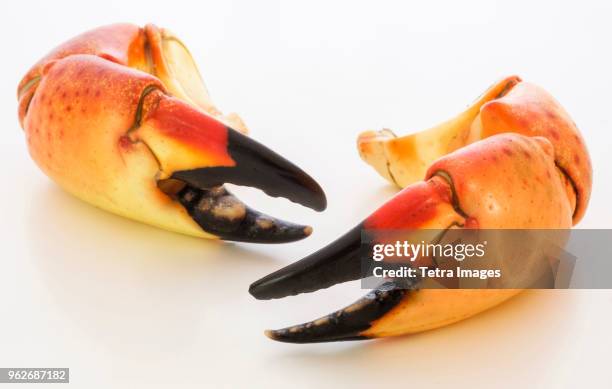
(516, 161)
(119, 117)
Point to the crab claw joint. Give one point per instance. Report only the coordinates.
(521, 164)
(120, 118)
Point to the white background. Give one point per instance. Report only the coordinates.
(125, 305)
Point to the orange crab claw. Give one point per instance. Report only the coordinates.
(119, 117)
(513, 179)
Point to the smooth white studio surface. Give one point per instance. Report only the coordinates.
(124, 305)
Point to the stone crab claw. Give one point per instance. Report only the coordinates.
(119, 117)
(514, 160)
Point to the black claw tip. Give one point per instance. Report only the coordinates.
(336, 263)
(346, 324)
(220, 213)
(259, 167)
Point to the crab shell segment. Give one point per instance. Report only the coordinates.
(119, 117)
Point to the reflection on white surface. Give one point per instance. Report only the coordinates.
(120, 281)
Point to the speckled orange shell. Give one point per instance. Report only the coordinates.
(508, 181)
(119, 43)
(83, 104)
(529, 110)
